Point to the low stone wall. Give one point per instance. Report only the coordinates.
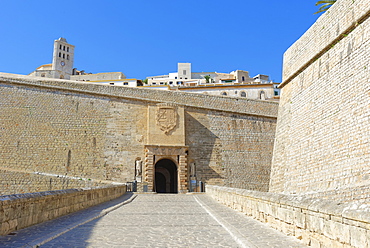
(23, 210)
(317, 222)
(14, 181)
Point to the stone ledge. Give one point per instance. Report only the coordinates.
(323, 34)
(23, 210)
(235, 105)
(318, 222)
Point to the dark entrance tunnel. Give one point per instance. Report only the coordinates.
(165, 176)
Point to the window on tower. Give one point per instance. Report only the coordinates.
(60, 55)
(60, 47)
(64, 48)
(67, 49)
(64, 56)
(67, 56)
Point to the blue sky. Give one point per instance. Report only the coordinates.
(144, 38)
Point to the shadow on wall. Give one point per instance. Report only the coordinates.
(204, 149)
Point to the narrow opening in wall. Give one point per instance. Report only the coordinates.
(68, 160)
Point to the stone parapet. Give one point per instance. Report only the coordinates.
(15, 181)
(23, 210)
(317, 222)
(334, 25)
(228, 104)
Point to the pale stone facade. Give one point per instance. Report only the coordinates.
(322, 140)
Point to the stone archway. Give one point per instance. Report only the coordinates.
(175, 154)
(165, 180)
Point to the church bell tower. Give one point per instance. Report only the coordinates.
(63, 57)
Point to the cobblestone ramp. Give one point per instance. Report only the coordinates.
(159, 220)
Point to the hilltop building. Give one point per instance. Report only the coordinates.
(62, 68)
(235, 84)
(62, 65)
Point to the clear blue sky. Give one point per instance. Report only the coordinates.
(144, 38)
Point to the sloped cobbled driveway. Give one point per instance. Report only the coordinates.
(170, 220)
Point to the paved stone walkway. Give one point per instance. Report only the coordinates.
(153, 220)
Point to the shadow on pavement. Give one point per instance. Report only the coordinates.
(40, 234)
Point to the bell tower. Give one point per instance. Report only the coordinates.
(63, 57)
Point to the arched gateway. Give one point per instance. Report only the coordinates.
(165, 162)
(166, 169)
(166, 175)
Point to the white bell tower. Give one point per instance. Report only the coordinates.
(63, 57)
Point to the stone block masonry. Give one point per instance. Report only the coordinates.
(98, 132)
(14, 181)
(323, 131)
(230, 149)
(318, 223)
(23, 210)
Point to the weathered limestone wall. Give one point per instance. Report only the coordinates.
(19, 182)
(69, 134)
(96, 132)
(23, 210)
(323, 130)
(230, 149)
(316, 222)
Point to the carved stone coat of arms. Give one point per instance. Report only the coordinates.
(166, 117)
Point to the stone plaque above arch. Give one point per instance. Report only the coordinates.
(166, 125)
(166, 117)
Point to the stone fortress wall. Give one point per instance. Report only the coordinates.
(60, 134)
(323, 129)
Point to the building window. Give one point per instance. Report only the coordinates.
(175, 77)
(243, 94)
(125, 83)
(243, 78)
(161, 83)
(154, 83)
(67, 56)
(64, 48)
(60, 55)
(61, 77)
(64, 56)
(224, 94)
(60, 47)
(67, 49)
(43, 75)
(111, 83)
(276, 93)
(170, 82)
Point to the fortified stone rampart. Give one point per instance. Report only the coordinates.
(323, 130)
(99, 133)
